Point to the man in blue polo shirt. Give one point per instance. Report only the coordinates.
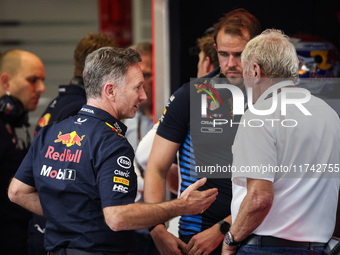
(79, 172)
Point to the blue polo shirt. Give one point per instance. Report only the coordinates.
(79, 166)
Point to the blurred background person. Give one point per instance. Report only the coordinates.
(72, 96)
(207, 57)
(22, 77)
(143, 121)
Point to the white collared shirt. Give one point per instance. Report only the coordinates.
(304, 208)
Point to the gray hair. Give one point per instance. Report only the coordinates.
(275, 54)
(107, 65)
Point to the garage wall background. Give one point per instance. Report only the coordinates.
(52, 28)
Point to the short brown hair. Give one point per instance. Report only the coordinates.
(206, 45)
(234, 22)
(143, 48)
(88, 44)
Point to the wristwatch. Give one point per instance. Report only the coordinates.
(224, 227)
(230, 240)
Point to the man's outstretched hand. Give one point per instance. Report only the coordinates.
(198, 201)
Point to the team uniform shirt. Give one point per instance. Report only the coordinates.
(195, 150)
(68, 102)
(304, 150)
(79, 166)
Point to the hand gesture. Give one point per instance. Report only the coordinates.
(198, 201)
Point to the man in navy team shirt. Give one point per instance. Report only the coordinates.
(79, 172)
(70, 99)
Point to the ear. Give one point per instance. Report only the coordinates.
(215, 46)
(257, 70)
(207, 65)
(4, 81)
(109, 90)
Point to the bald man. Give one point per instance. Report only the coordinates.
(21, 84)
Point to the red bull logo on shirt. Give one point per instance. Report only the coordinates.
(69, 139)
(66, 156)
(44, 120)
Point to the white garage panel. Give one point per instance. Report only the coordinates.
(50, 29)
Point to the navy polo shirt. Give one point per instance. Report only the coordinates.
(68, 102)
(79, 166)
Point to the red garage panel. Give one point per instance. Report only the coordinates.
(115, 19)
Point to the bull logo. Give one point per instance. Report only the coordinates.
(44, 120)
(69, 139)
